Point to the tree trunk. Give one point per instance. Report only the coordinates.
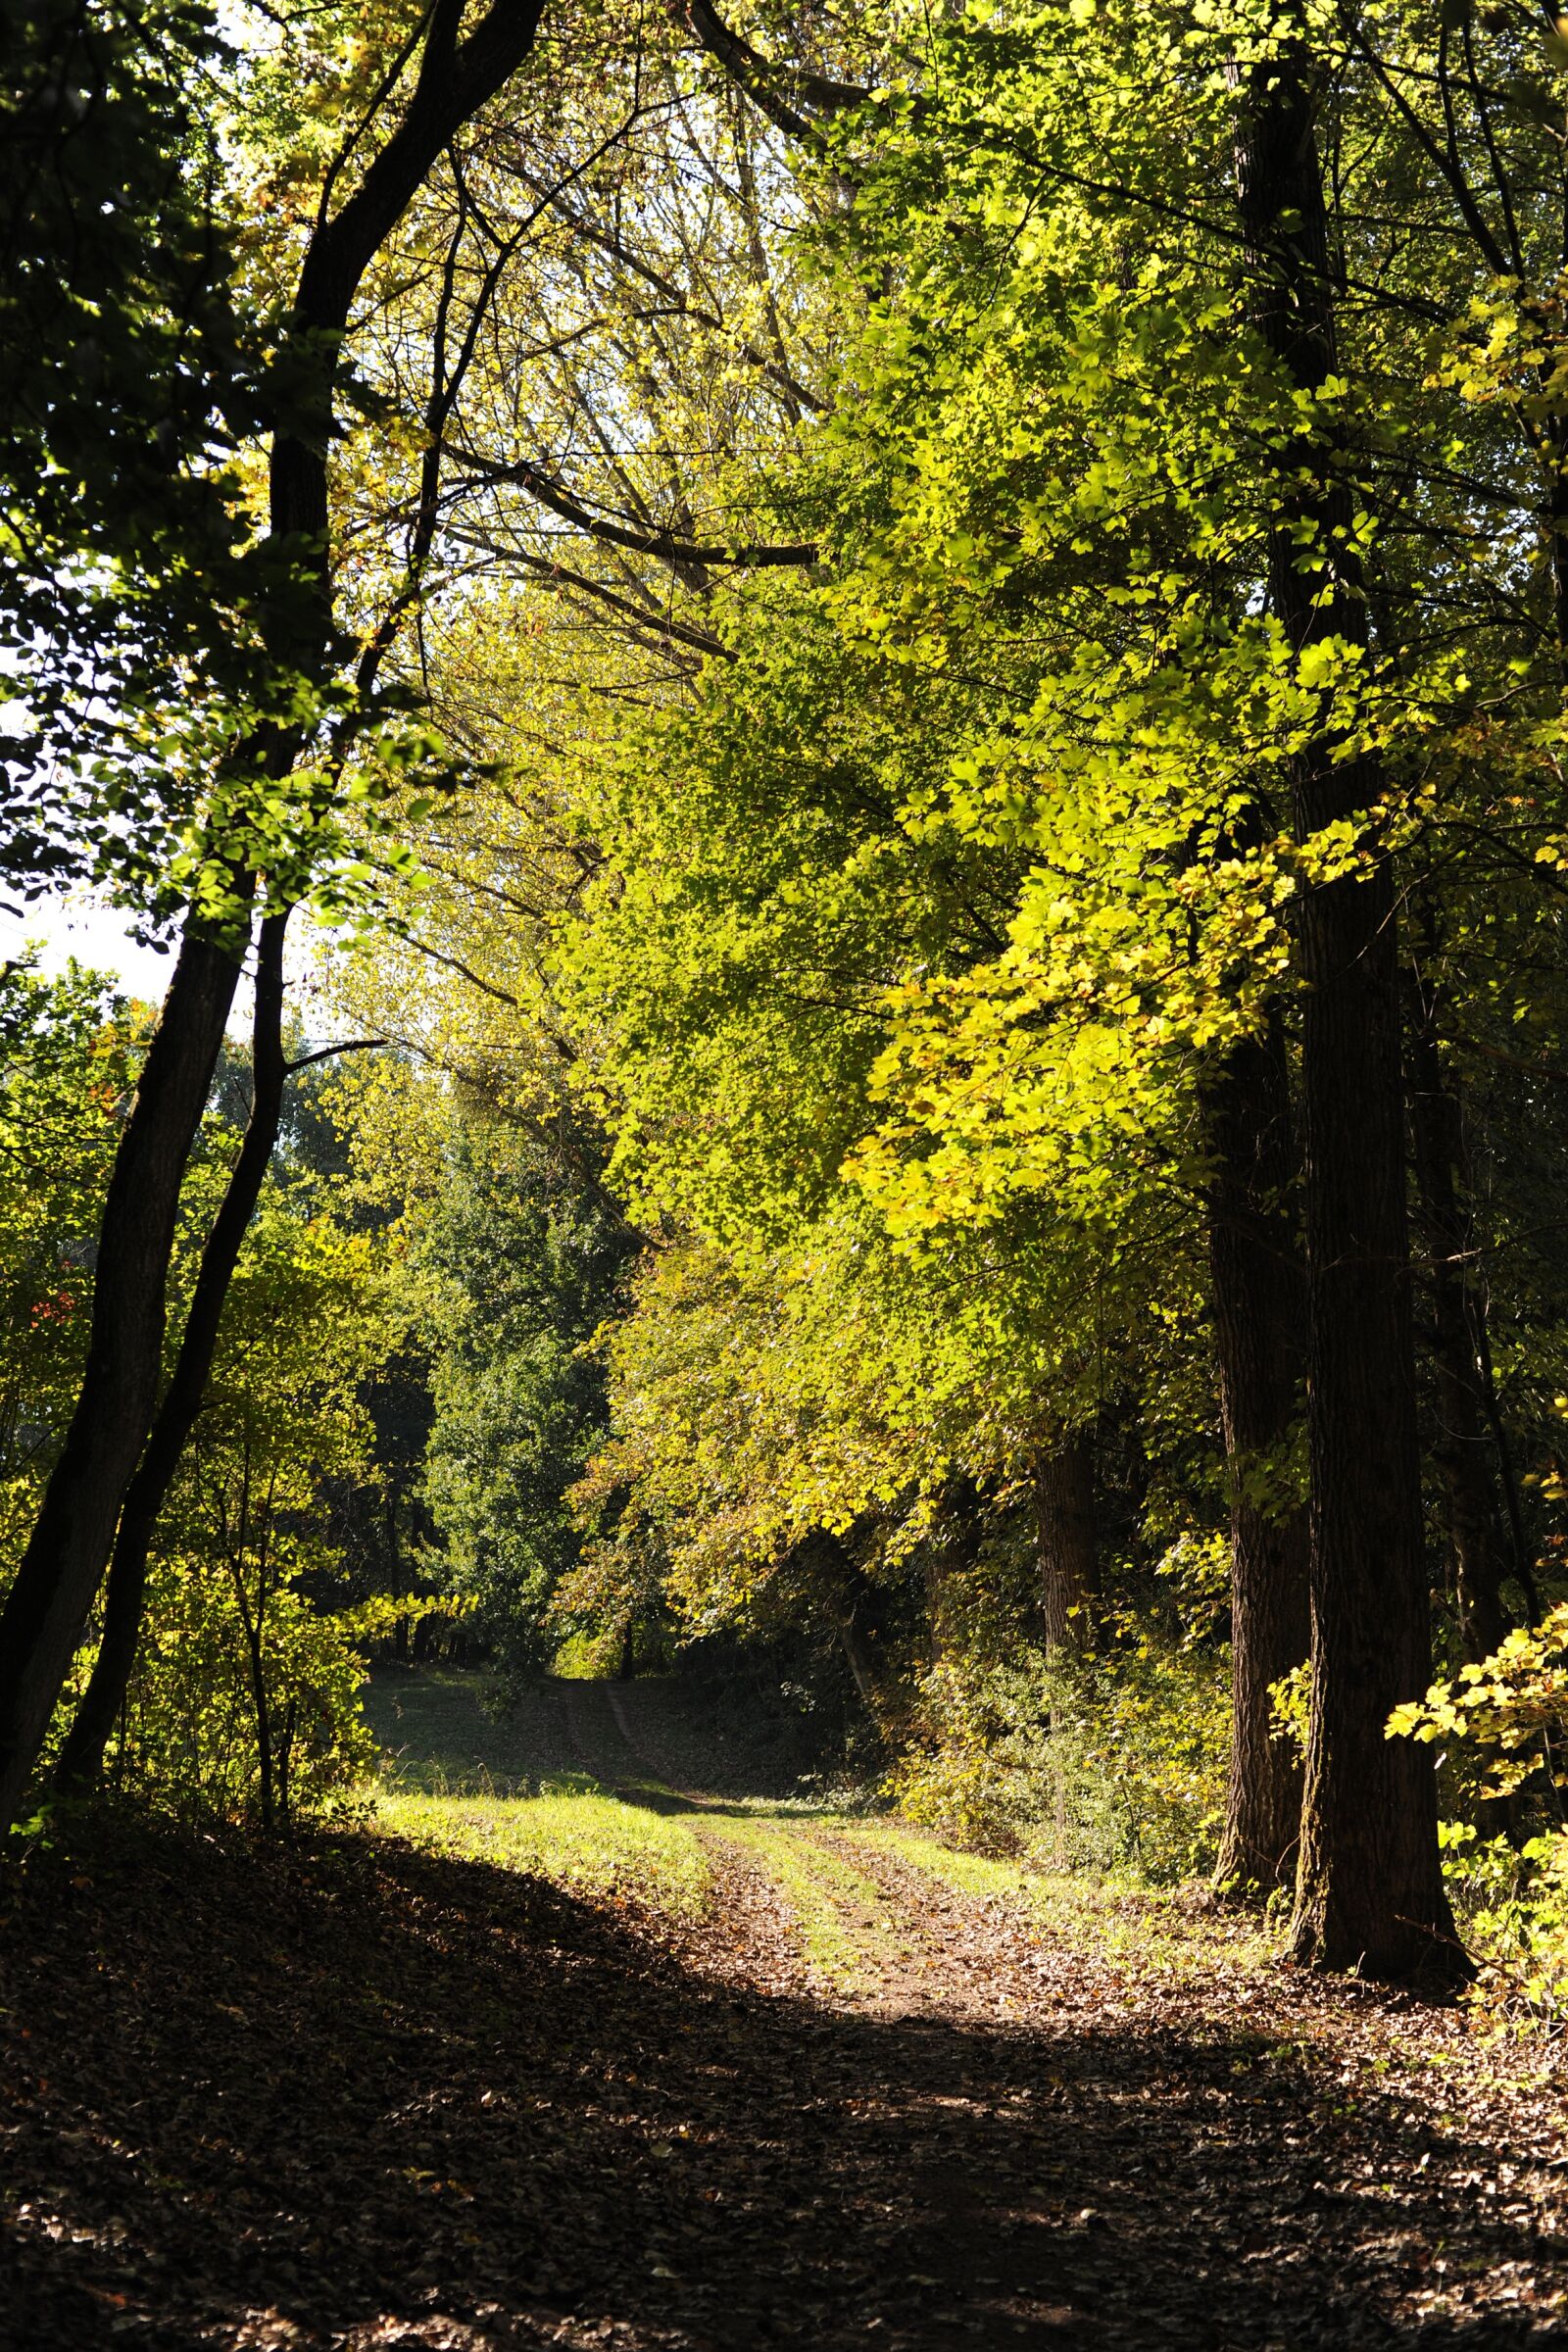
(1369, 1890)
(1063, 1483)
(82, 1755)
(59, 1573)
(1259, 1293)
(71, 1539)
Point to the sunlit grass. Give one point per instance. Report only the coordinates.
(583, 1841)
(512, 1791)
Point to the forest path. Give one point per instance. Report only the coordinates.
(680, 2070)
(1097, 2120)
(851, 1908)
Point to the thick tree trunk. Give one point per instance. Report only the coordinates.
(71, 1543)
(82, 1755)
(59, 1573)
(1260, 1295)
(1063, 1483)
(1369, 1890)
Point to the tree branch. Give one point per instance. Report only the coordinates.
(760, 79)
(661, 544)
(354, 1044)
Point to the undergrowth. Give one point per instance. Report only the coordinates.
(1114, 1765)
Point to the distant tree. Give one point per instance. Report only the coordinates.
(519, 1257)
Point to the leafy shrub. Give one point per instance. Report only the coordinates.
(212, 1677)
(192, 1739)
(1502, 1714)
(1111, 1764)
(1511, 1904)
(1502, 1721)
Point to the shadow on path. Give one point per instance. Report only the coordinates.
(367, 2096)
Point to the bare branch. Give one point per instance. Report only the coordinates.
(354, 1044)
(660, 544)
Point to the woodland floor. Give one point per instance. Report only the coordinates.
(562, 2054)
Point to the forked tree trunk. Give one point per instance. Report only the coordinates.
(1064, 1487)
(82, 1754)
(71, 1539)
(1260, 1297)
(1369, 1890)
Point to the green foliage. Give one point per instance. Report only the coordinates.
(188, 1743)
(1507, 1714)
(68, 1050)
(510, 1255)
(132, 376)
(1502, 1724)
(1118, 1765)
(929, 920)
(899, 920)
(1511, 1902)
(244, 1701)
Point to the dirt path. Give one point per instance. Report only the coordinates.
(864, 2094)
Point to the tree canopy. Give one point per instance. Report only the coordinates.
(912, 672)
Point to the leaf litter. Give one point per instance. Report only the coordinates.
(359, 2093)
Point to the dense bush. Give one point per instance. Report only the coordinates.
(1111, 1764)
(1500, 1725)
(1511, 1905)
(205, 1707)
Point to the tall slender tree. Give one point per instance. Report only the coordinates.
(441, 77)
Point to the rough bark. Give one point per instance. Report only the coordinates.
(71, 1539)
(1259, 1303)
(82, 1754)
(1064, 1487)
(1369, 1890)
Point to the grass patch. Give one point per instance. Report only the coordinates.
(590, 1843)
